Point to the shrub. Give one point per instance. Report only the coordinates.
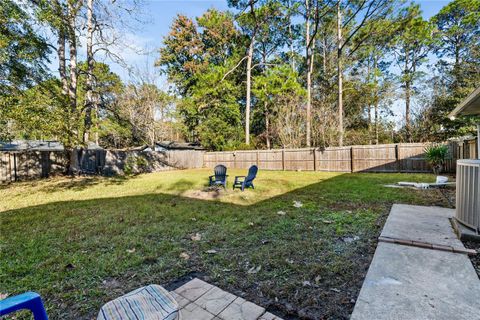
(135, 164)
(436, 156)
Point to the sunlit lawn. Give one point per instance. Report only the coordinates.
(82, 242)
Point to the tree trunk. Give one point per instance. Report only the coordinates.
(309, 77)
(72, 43)
(62, 69)
(310, 44)
(153, 133)
(340, 76)
(375, 101)
(376, 120)
(97, 142)
(89, 83)
(249, 84)
(267, 126)
(72, 88)
(369, 103)
(290, 37)
(407, 97)
(324, 55)
(407, 110)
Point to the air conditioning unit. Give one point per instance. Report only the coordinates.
(468, 199)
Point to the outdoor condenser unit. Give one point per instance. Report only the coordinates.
(468, 194)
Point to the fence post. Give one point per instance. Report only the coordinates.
(15, 167)
(397, 157)
(257, 159)
(314, 159)
(352, 167)
(283, 159)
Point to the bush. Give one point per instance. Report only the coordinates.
(436, 156)
(135, 164)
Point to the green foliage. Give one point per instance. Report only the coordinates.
(278, 90)
(23, 52)
(191, 48)
(210, 108)
(37, 112)
(436, 155)
(135, 164)
(457, 30)
(413, 43)
(214, 103)
(204, 59)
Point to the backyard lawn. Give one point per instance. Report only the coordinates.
(299, 244)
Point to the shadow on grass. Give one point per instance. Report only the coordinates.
(82, 183)
(72, 251)
(181, 186)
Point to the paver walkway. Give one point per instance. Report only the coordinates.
(420, 276)
(199, 300)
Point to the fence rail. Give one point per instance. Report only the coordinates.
(403, 157)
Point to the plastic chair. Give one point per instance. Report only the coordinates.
(243, 182)
(25, 301)
(219, 177)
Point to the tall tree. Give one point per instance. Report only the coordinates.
(458, 25)
(352, 17)
(23, 57)
(89, 102)
(253, 15)
(212, 45)
(23, 53)
(280, 92)
(412, 45)
(181, 56)
(457, 70)
(271, 38)
(250, 23)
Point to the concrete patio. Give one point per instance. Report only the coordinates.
(199, 300)
(420, 270)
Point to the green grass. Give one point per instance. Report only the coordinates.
(81, 242)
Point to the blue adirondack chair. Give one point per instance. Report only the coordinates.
(25, 301)
(243, 182)
(220, 176)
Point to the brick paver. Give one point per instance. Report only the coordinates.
(199, 300)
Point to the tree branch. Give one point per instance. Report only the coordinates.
(233, 69)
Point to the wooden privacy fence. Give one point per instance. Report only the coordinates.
(405, 157)
(28, 165)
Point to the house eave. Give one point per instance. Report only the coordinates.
(469, 106)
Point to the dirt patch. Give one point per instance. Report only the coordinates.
(476, 258)
(209, 193)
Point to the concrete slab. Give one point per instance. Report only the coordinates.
(422, 224)
(406, 282)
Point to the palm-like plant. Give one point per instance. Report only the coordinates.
(436, 155)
